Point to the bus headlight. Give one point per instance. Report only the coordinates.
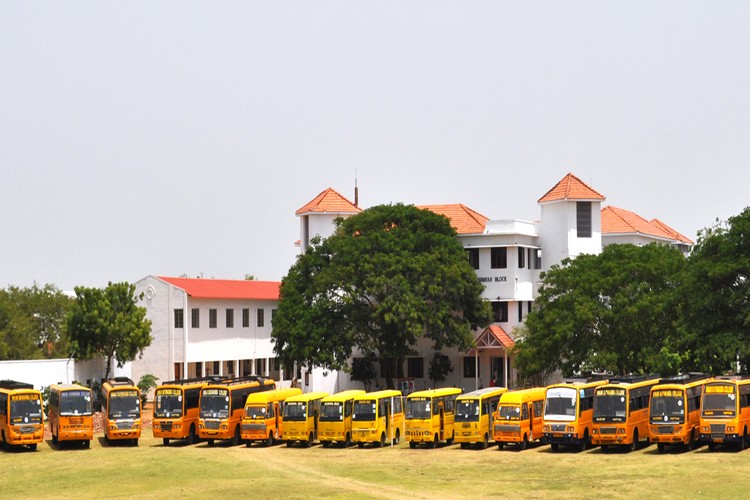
(545, 428)
(570, 429)
(620, 430)
(596, 431)
(704, 429)
(730, 429)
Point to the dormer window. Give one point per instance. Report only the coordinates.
(583, 219)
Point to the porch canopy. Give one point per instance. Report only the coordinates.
(492, 338)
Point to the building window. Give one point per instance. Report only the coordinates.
(583, 219)
(245, 318)
(415, 367)
(500, 311)
(179, 318)
(261, 318)
(470, 365)
(273, 315)
(499, 258)
(520, 311)
(473, 255)
(212, 318)
(195, 320)
(537, 258)
(230, 318)
(521, 258)
(397, 368)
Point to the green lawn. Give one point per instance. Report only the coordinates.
(181, 471)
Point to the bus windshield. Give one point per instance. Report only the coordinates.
(168, 403)
(610, 405)
(418, 408)
(560, 404)
(720, 401)
(75, 403)
(667, 406)
(25, 409)
(295, 410)
(255, 411)
(331, 412)
(364, 410)
(467, 410)
(124, 404)
(509, 412)
(214, 403)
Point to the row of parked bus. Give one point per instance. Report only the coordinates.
(625, 411)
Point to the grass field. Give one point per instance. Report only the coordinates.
(182, 471)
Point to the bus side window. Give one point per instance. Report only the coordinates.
(269, 410)
(348, 408)
(525, 411)
(3, 403)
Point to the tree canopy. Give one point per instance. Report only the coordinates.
(615, 312)
(387, 277)
(108, 322)
(33, 322)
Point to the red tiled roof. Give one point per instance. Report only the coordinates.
(463, 219)
(571, 188)
(618, 221)
(329, 201)
(226, 289)
(492, 337)
(501, 336)
(677, 236)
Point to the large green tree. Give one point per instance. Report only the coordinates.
(33, 322)
(616, 312)
(716, 328)
(387, 277)
(108, 322)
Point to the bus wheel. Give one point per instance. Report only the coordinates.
(500, 446)
(360, 445)
(210, 442)
(165, 441)
(382, 439)
(269, 440)
(463, 446)
(87, 444)
(634, 445)
(412, 444)
(348, 440)
(554, 446)
(434, 442)
(192, 438)
(288, 444)
(711, 446)
(248, 444)
(525, 442)
(660, 447)
(605, 448)
(450, 441)
(485, 442)
(236, 437)
(325, 444)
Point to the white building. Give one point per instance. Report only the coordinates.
(205, 326)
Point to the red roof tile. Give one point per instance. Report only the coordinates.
(618, 221)
(331, 202)
(463, 219)
(571, 188)
(677, 236)
(501, 336)
(226, 289)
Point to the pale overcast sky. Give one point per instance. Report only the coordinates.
(180, 137)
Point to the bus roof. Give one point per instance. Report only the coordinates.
(482, 393)
(629, 385)
(14, 384)
(580, 384)
(228, 383)
(308, 396)
(523, 395)
(436, 393)
(197, 380)
(344, 395)
(68, 387)
(275, 395)
(385, 393)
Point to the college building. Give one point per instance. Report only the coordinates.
(223, 327)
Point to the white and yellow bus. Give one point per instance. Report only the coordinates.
(430, 416)
(378, 418)
(335, 422)
(569, 413)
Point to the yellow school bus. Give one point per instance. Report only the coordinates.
(675, 410)
(518, 419)
(176, 408)
(71, 414)
(378, 418)
(21, 415)
(300, 418)
(122, 410)
(335, 423)
(474, 416)
(262, 422)
(222, 405)
(568, 413)
(725, 412)
(621, 412)
(430, 416)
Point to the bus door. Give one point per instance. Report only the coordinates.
(442, 419)
(528, 411)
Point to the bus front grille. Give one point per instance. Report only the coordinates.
(166, 426)
(123, 425)
(608, 430)
(507, 428)
(666, 429)
(717, 428)
(26, 429)
(558, 427)
(213, 424)
(253, 427)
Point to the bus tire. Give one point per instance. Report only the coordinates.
(485, 442)
(348, 440)
(236, 436)
(165, 441)
(288, 444)
(605, 448)
(451, 439)
(634, 445)
(326, 444)
(210, 443)
(269, 440)
(554, 446)
(463, 446)
(309, 441)
(248, 444)
(711, 446)
(192, 437)
(32, 447)
(412, 444)
(660, 447)
(500, 446)
(434, 442)
(87, 444)
(525, 442)
(382, 439)
(360, 445)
